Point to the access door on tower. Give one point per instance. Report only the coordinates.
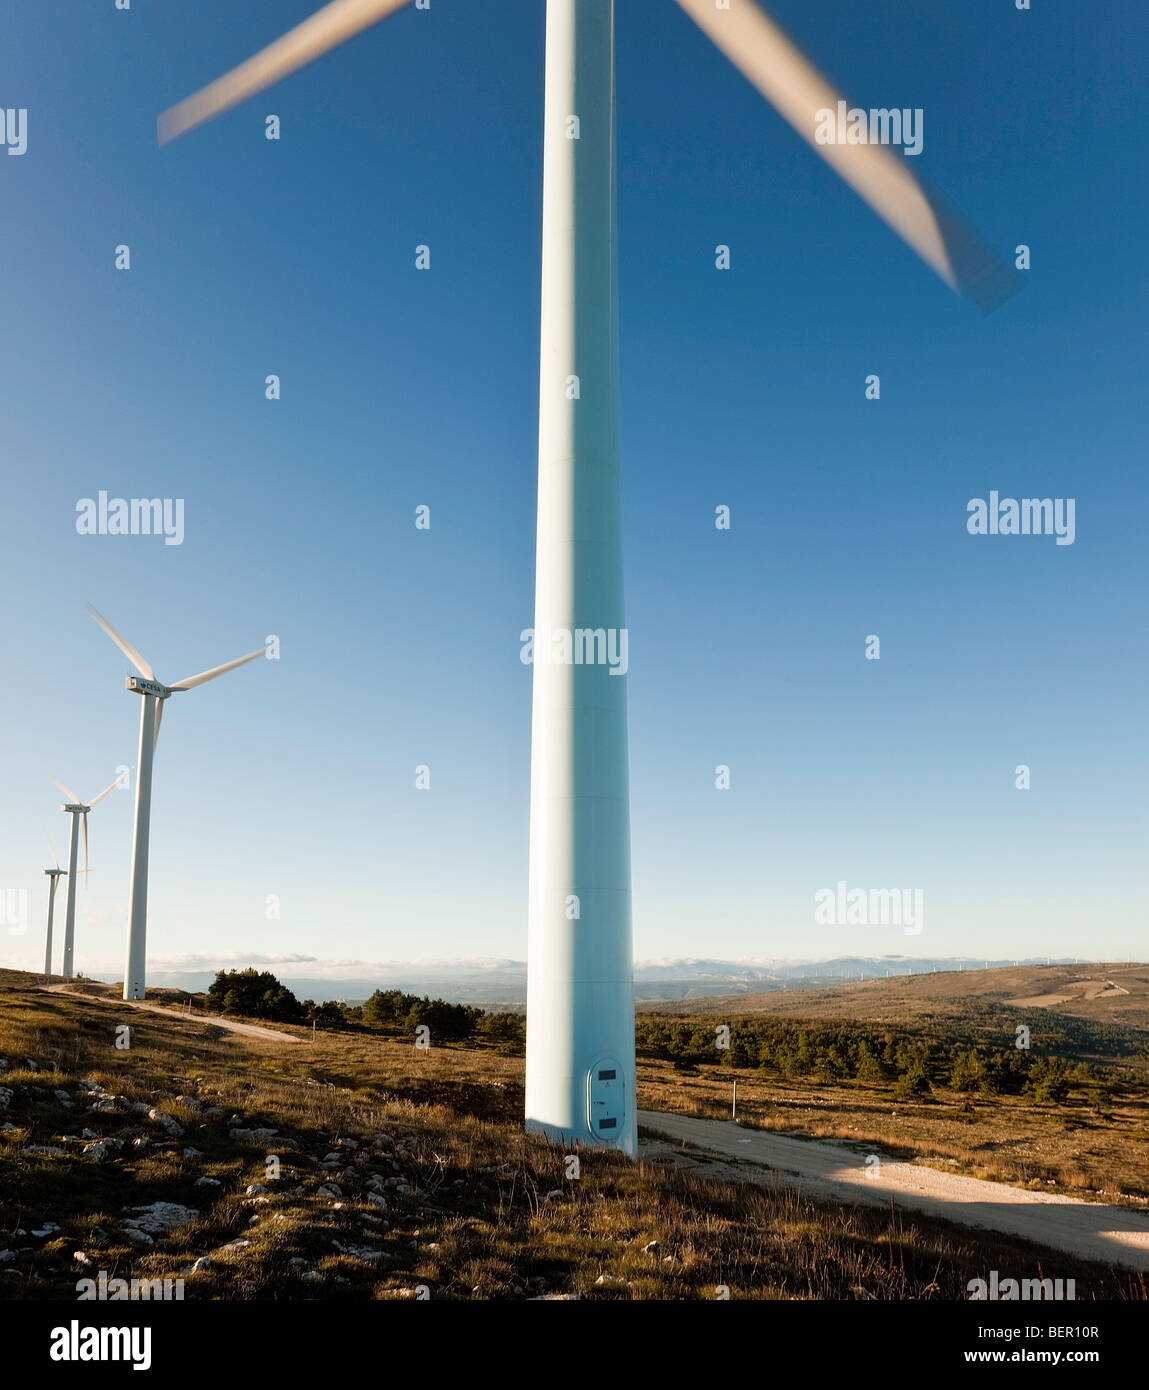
(606, 1100)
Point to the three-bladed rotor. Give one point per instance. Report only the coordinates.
(759, 49)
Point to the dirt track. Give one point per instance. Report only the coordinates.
(1093, 1231)
(253, 1030)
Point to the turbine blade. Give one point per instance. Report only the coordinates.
(798, 92)
(95, 801)
(71, 795)
(52, 851)
(189, 682)
(324, 30)
(130, 652)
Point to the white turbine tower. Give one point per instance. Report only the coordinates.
(79, 813)
(580, 1006)
(53, 882)
(151, 712)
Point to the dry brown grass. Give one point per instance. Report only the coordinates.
(485, 1211)
(1070, 1147)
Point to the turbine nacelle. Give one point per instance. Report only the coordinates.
(73, 806)
(146, 687)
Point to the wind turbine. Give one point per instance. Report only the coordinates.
(580, 1013)
(151, 712)
(53, 881)
(79, 813)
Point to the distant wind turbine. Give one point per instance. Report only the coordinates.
(151, 712)
(79, 813)
(580, 992)
(53, 881)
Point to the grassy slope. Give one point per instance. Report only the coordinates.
(475, 1219)
(1006, 993)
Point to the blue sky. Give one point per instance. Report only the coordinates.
(402, 388)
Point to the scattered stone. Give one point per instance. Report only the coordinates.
(84, 1261)
(207, 1182)
(236, 1245)
(168, 1123)
(189, 1103)
(140, 1144)
(376, 1199)
(611, 1281)
(254, 1188)
(330, 1189)
(51, 1150)
(6, 1256)
(213, 1114)
(158, 1219)
(652, 1249)
(96, 1152)
(88, 1134)
(200, 1265)
(189, 1152)
(49, 1228)
(31, 1065)
(360, 1252)
(262, 1137)
(63, 1096)
(6, 1094)
(556, 1196)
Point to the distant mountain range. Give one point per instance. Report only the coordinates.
(502, 984)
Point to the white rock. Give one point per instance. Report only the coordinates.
(168, 1123)
(96, 1152)
(259, 1136)
(360, 1252)
(160, 1217)
(254, 1188)
(207, 1182)
(201, 1264)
